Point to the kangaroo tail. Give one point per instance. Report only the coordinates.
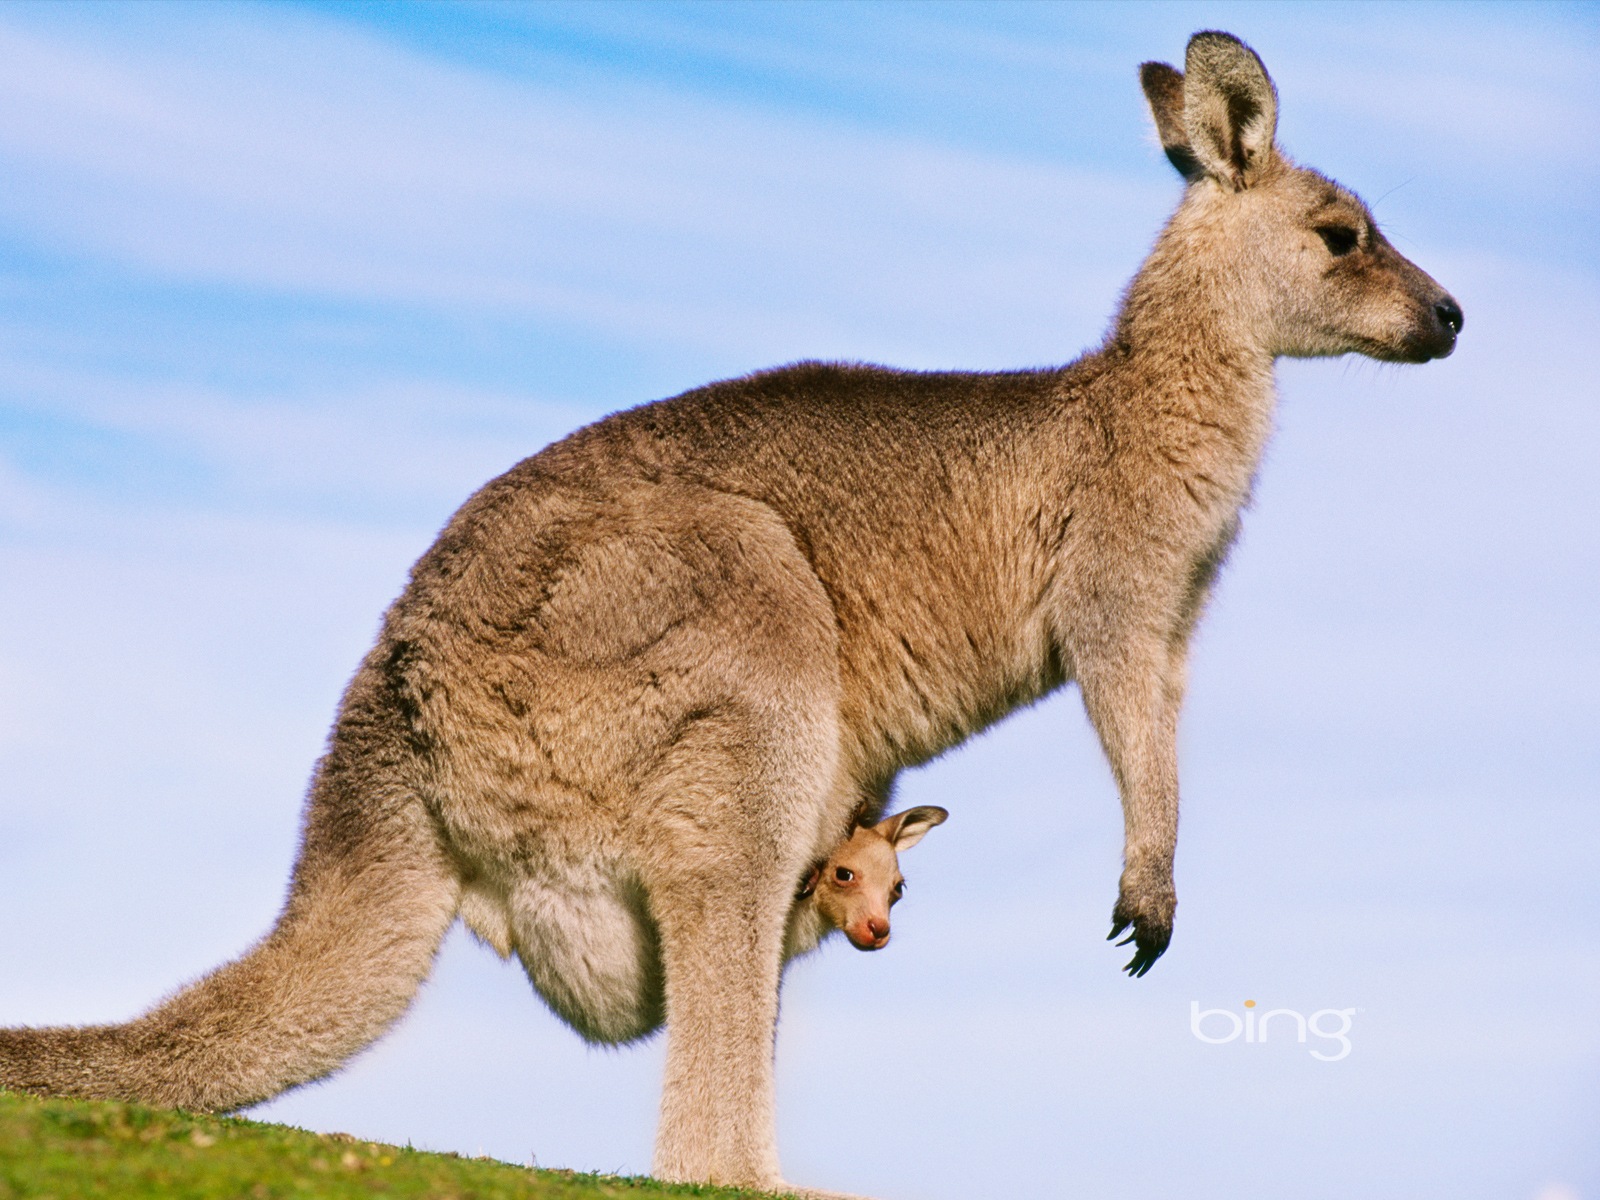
(370, 900)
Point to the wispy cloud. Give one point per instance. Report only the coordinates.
(327, 162)
(394, 451)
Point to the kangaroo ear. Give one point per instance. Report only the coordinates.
(904, 830)
(1163, 88)
(1230, 108)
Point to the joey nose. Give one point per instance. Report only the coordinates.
(868, 935)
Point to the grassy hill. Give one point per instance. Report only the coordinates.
(78, 1150)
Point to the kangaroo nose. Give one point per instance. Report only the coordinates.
(1449, 314)
(879, 927)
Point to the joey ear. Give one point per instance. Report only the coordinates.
(906, 829)
(1230, 108)
(1163, 88)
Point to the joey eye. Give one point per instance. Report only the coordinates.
(899, 890)
(1339, 239)
(843, 874)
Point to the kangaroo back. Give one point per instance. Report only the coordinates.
(371, 897)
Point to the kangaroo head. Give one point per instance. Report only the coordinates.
(1292, 260)
(854, 888)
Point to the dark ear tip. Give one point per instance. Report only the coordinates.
(1162, 84)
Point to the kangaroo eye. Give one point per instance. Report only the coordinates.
(899, 889)
(843, 874)
(1339, 239)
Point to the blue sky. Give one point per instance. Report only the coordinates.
(280, 285)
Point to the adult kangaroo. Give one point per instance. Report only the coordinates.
(641, 682)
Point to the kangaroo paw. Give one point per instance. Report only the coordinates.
(1147, 916)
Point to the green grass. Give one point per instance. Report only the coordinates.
(80, 1150)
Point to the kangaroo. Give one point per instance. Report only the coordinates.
(854, 888)
(642, 679)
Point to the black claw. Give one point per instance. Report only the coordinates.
(1151, 944)
(1151, 940)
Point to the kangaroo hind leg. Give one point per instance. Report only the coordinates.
(734, 845)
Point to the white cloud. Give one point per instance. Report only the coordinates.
(327, 162)
(403, 446)
(1492, 88)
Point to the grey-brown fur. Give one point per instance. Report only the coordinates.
(641, 680)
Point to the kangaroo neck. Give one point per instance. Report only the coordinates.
(1186, 346)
